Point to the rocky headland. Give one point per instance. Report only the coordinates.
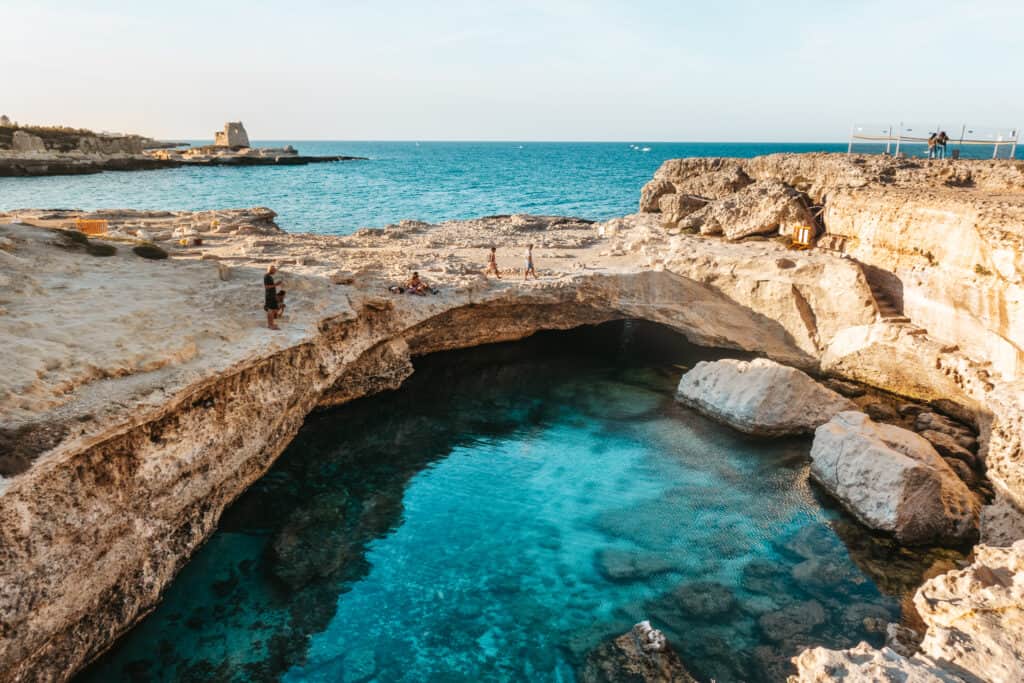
(43, 151)
(145, 394)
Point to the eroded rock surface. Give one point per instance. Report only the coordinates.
(893, 480)
(641, 656)
(975, 630)
(765, 207)
(760, 397)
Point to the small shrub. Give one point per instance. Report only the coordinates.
(932, 261)
(981, 270)
(74, 236)
(100, 249)
(150, 251)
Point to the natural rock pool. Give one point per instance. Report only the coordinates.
(506, 511)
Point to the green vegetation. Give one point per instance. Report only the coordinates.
(150, 251)
(73, 238)
(100, 249)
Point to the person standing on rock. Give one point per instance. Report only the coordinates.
(492, 263)
(940, 144)
(270, 296)
(529, 264)
(933, 145)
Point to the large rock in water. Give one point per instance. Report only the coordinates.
(893, 480)
(765, 207)
(640, 656)
(760, 397)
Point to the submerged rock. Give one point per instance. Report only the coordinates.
(627, 565)
(893, 480)
(705, 599)
(314, 542)
(760, 397)
(797, 619)
(643, 656)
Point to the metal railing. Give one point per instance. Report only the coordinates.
(900, 137)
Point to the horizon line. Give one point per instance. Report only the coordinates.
(513, 140)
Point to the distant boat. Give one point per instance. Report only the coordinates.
(520, 147)
(646, 149)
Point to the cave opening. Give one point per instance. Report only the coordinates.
(509, 509)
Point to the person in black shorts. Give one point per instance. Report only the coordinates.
(270, 297)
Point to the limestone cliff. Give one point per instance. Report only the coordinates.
(129, 426)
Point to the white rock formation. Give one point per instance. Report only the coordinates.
(864, 664)
(893, 480)
(764, 207)
(26, 142)
(760, 397)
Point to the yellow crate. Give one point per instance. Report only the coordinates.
(91, 227)
(802, 237)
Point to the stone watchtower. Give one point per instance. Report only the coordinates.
(233, 135)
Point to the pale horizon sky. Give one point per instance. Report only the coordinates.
(527, 70)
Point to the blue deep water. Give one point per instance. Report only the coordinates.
(504, 513)
(431, 181)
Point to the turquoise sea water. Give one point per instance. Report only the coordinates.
(430, 181)
(505, 512)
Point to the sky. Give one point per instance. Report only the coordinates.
(524, 70)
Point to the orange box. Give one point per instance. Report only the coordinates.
(91, 227)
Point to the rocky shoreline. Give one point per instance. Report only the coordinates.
(44, 151)
(23, 165)
(129, 427)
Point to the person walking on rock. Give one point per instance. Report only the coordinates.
(492, 264)
(270, 296)
(529, 264)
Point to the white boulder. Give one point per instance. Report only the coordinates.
(760, 397)
(893, 480)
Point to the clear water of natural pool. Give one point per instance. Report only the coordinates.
(504, 513)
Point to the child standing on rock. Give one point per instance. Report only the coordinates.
(529, 264)
(270, 304)
(492, 263)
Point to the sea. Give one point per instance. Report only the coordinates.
(428, 181)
